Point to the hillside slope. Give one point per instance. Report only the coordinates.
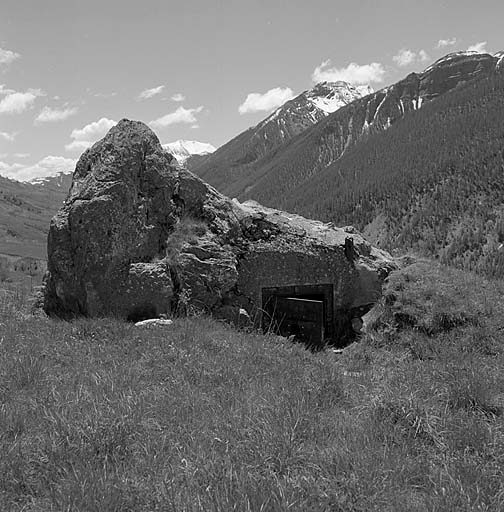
(25, 212)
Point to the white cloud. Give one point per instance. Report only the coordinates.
(257, 102)
(17, 102)
(4, 90)
(181, 115)
(104, 94)
(407, 57)
(49, 115)
(178, 97)
(78, 145)
(8, 170)
(443, 43)
(8, 136)
(87, 135)
(8, 57)
(423, 56)
(404, 57)
(353, 73)
(48, 166)
(149, 93)
(478, 47)
(21, 155)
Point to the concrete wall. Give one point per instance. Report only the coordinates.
(267, 268)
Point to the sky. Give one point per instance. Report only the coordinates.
(202, 69)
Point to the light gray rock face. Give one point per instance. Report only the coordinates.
(139, 237)
(106, 244)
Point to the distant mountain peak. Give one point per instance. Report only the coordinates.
(322, 99)
(330, 88)
(240, 154)
(331, 96)
(183, 149)
(455, 57)
(59, 180)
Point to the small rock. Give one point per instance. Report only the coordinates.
(153, 321)
(243, 317)
(350, 373)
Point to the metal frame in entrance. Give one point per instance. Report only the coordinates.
(272, 297)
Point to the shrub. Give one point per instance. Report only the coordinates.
(186, 231)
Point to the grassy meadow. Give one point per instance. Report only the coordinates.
(100, 415)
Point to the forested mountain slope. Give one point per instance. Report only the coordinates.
(433, 182)
(242, 157)
(319, 146)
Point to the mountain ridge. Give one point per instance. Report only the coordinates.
(292, 118)
(183, 149)
(316, 147)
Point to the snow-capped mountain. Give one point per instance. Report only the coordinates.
(310, 107)
(331, 96)
(293, 164)
(60, 180)
(287, 121)
(183, 149)
(265, 163)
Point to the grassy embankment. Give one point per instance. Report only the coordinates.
(99, 415)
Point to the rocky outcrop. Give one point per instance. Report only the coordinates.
(139, 237)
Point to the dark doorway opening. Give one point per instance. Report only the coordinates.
(304, 312)
(143, 312)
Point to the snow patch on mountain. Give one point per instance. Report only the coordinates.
(331, 96)
(364, 90)
(323, 99)
(453, 56)
(59, 180)
(183, 149)
(500, 62)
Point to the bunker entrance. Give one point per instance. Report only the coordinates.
(304, 312)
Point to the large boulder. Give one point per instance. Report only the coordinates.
(138, 236)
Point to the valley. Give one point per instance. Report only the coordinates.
(251, 256)
(348, 155)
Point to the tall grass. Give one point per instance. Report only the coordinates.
(100, 415)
